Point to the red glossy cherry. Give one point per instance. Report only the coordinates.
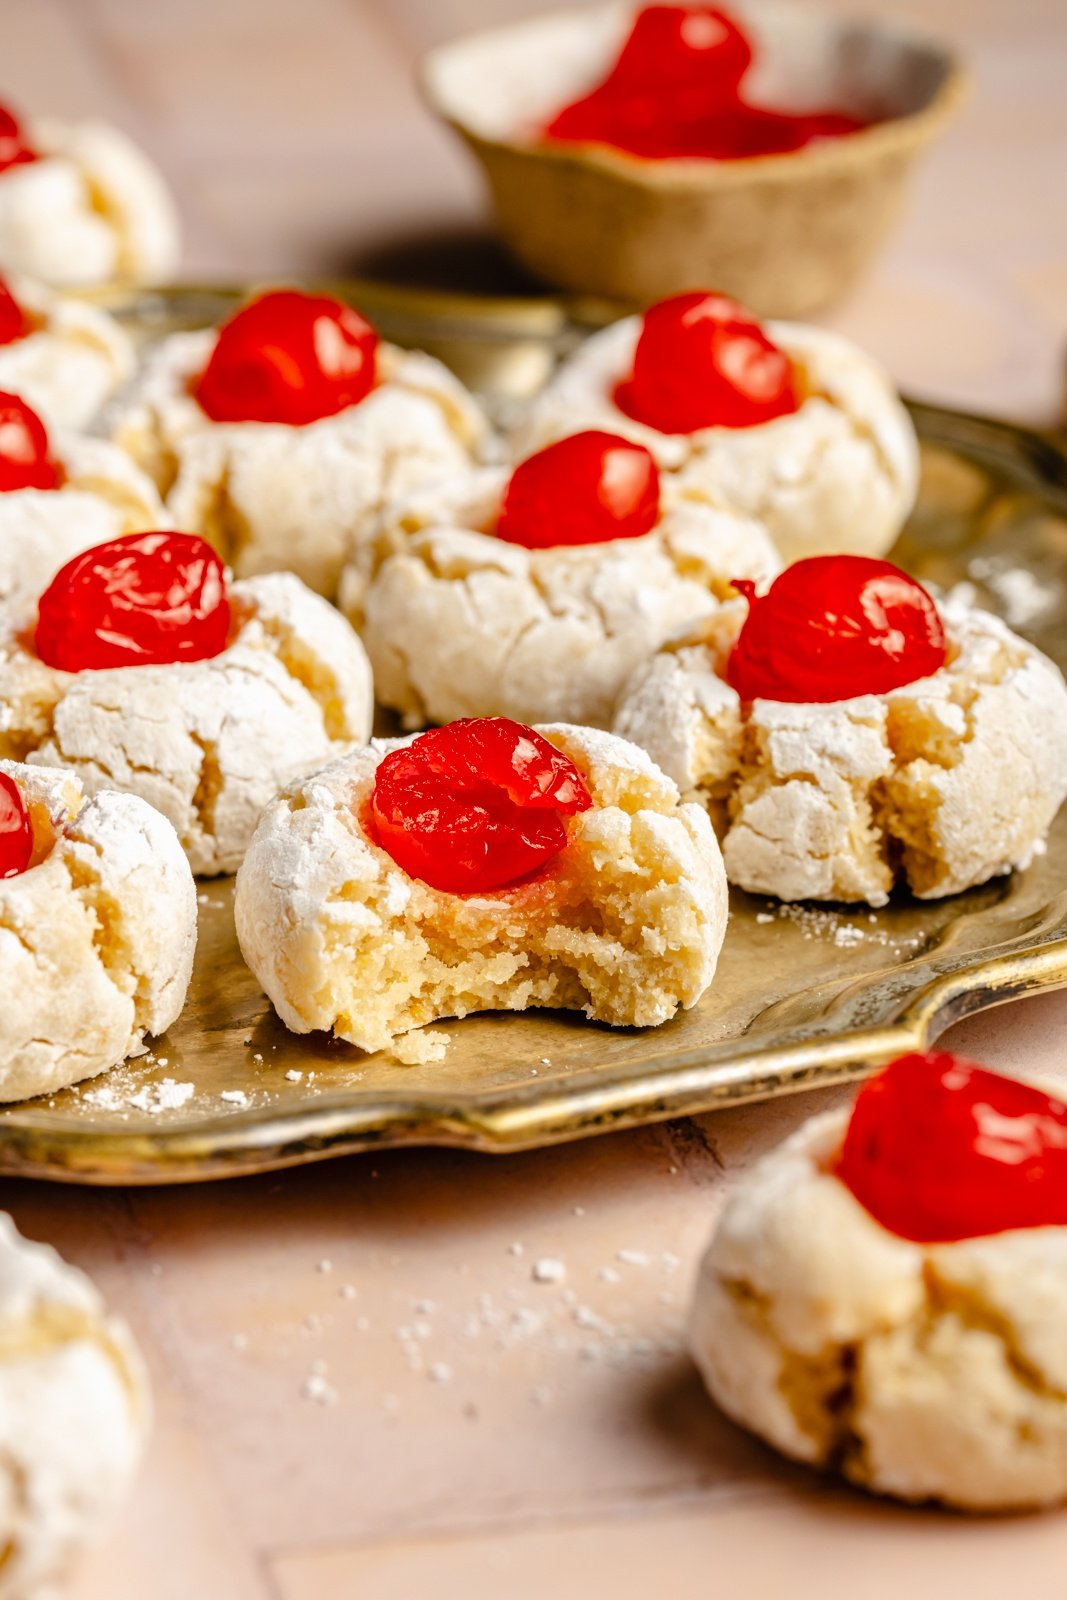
(16, 830)
(586, 489)
(14, 323)
(940, 1149)
(702, 362)
(14, 151)
(24, 459)
(476, 806)
(143, 600)
(289, 357)
(833, 627)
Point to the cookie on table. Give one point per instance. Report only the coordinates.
(847, 734)
(59, 495)
(97, 929)
(886, 1292)
(786, 423)
(142, 668)
(482, 866)
(280, 463)
(81, 204)
(75, 1411)
(534, 594)
(63, 356)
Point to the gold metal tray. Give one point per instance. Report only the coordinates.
(803, 995)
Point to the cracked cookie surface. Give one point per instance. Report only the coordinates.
(921, 1371)
(74, 1414)
(942, 784)
(460, 623)
(269, 496)
(74, 358)
(206, 742)
(840, 473)
(625, 924)
(96, 940)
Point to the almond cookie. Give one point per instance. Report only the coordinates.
(483, 866)
(206, 736)
(97, 929)
(89, 491)
(886, 1292)
(81, 204)
(942, 782)
(63, 356)
(283, 472)
(461, 619)
(828, 462)
(74, 1414)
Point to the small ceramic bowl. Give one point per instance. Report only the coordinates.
(785, 234)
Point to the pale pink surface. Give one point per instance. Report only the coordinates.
(560, 1455)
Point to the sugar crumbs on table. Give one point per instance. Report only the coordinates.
(293, 1076)
(324, 1266)
(608, 1275)
(440, 1372)
(316, 1387)
(234, 1097)
(348, 1291)
(548, 1270)
(515, 1249)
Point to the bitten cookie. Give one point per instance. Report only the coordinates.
(941, 783)
(63, 356)
(97, 929)
(206, 740)
(929, 1368)
(459, 619)
(614, 906)
(82, 204)
(833, 467)
(287, 482)
(74, 1414)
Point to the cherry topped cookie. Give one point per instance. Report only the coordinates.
(848, 733)
(482, 866)
(62, 355)
(279, 435)
(783, 422)
(886, 1293)
(81, 204)
(534, 593)
(141, 667)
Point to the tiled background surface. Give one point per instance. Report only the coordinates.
(488, 1435)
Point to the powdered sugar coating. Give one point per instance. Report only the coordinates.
(102, 496)
(208, 742)
(92, 209)
(96, 941)
(840, 473)
(920, 1371)
(270, 496)
(625, 925)
(74, 359)
(460, 623)
(947, 782)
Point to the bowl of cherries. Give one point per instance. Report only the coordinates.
(632, 151)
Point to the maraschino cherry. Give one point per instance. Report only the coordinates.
(14, 323)
(16, 830)
(25, 462)
(14, 151)
(143, 600)
(833, 627)
(939, 1149)
(586, 489)
(475, 806)
(702, 361)
(289, 357)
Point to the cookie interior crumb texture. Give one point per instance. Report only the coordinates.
(625, 925)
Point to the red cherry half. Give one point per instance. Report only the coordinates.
(14, 323)
(16, 830)
(703, 362)
(291, 358)
(939, 1149)
(25, 462)
(586, 489)
(833, 627)
(476, 806)
(147, 599)
(14, 151)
